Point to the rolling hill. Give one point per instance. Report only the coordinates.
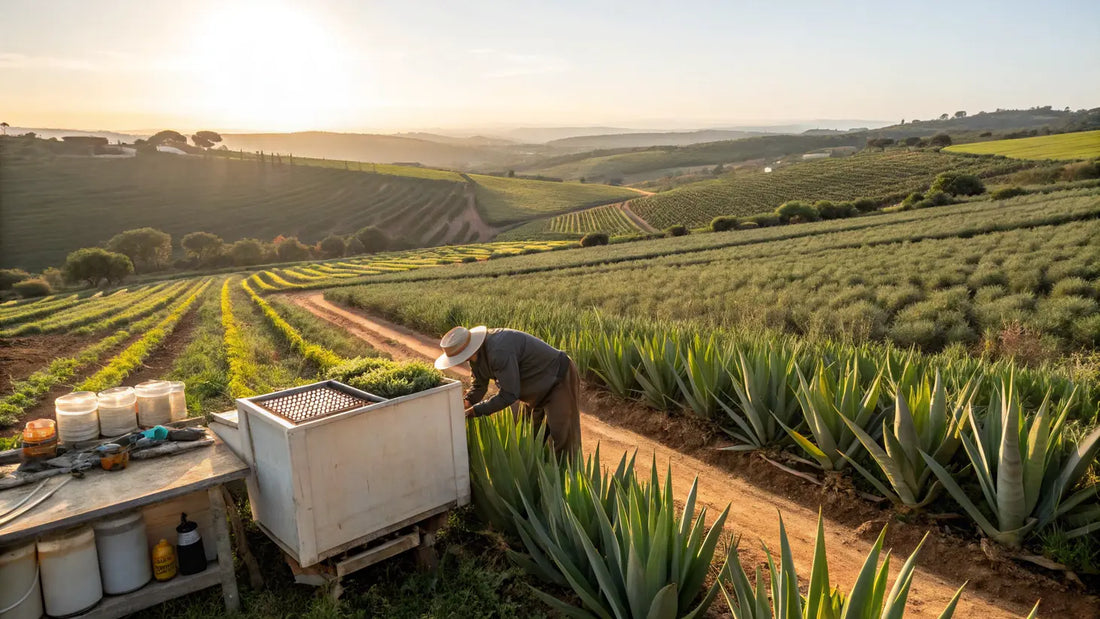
(53, 205)
(1063, 146)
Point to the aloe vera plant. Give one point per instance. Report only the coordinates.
(659, 370)
(1024, 470)
(614, 360)
(925, 421)
(704, 377)
(763, 382)
(828, 401)
(868, 598)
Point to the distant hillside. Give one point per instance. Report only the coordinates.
(510, 200)
(635, 140)
(1065, 146)
(379, 148)
(1003, 121)
(879, 175)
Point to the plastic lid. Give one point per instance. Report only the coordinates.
(39, 429)
(152, 388)
(117, 396)
(176, 386)
(77, 402)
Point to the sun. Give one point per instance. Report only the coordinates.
(268, 66)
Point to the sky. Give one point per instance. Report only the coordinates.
(366, 65)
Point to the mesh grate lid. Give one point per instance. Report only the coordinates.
(311, 404)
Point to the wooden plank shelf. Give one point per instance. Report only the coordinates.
(114, 606)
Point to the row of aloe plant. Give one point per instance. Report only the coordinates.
(617, 542)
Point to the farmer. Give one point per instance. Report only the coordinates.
(526, 369)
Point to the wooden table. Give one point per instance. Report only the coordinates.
(142, 485)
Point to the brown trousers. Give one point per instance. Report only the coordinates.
(562, 414)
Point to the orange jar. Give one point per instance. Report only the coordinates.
(40, 439)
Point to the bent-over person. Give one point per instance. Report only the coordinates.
(525, 369)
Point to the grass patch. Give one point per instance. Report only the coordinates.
(1065, 146)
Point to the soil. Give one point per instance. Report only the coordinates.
(22, 356)
(157, 366)
(643, 224)
(757, 492)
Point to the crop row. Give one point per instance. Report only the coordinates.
(104, 312)
(26, 393)
(19, 313)
(866, 175)
(610, 219)
(241, 368)
(126, 361)
(320, 355)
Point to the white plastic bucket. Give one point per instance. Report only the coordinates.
(117, 411)
(70, 572)
(20, 589)
(124, 563)
(77, 417)
(153, 403)
(177, 398)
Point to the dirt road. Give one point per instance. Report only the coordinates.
(753, 509)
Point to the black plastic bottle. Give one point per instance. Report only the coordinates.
(189, 551)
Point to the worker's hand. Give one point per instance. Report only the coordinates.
(469, 403)
(470, 413)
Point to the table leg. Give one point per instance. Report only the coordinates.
(225, 550)
(255, 578)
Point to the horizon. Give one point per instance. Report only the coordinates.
(347, 67)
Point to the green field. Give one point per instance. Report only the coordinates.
(881, 176)
(504, 200)
(1064, 146)
(608, 218)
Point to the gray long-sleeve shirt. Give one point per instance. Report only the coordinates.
(524, 367)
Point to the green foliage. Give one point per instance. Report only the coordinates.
(291, 250)
(958, 184)
(10, 277)
(332, 246)
(149, 249)
(797, 212)
(828, 210)
(868, 597)
(723, 223)
(204, 246)
(1007, 192)
(593, 239)
(508, 200)
(676, 231)
(33, 287)
(1079, 145)
(93, 264)
(373, 239)
(247, 252)
(941, 140)
(393, 380)
(834, 402)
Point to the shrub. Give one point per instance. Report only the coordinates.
(354, 367)
(796, 211)
(247, 252)
(1081, 171)
(373, 239)
(1073, 287)
(958, 184)
(35, 287)
(937, 198)
(764, 220)
(594, 238)
(332, 246)
(292, 250)
(676, 231)
(829, 210)
(865, 205)
(10, 277)
(941, 140)
(1007, 192)
(393, 380)
(54, 277)
(723, 223)
(912, 199)
(920, 333)
(469, 258)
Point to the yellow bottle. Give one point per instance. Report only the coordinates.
(164, 560)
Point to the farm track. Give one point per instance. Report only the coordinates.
(641, 223)
(1002, 590)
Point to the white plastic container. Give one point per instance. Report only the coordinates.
(77, 417)
(20, 589)
(124, 562)
(154, 406)
(177, 398)
(117, 411)
(70, 572)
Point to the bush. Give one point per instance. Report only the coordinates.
(373, 239)
(292, 250)
(764, 220)
(93, 264)
(796, 211)
(354, 367)
(393, 380)
(937, 198)
(1073, 287)
(469, 258)
(911, 199)
(865, 205)
(10, 277)
(747, 225)
(676, 231)
(332, 246)
(247, 252)
(723, 223)
(1081, 171)
(958, 184)
(1007, 192)
(594, 238)
(829, 210)
(36, 287)
(941, 140)
(54, 278)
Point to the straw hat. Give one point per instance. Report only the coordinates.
(459, 344)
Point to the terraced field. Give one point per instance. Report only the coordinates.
(1064, 146)
(508, 200)
(609, 218)
(881, 176)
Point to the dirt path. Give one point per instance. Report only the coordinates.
(753, 509)
(641, 223)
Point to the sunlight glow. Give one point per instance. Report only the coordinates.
(270, 66)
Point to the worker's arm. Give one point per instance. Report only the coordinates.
(507, 377)
(478, 388)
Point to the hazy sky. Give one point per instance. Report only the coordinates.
(371, 65)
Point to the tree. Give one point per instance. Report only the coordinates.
(247, 252)
(912, 140)
(677, 231)
(958, 184)
(167, 135)
(292, 250)
(94, 264)
(511, 173)
(881, 143)
(718, 170)
(941, 139)
(354, 246)
(206, 139)
(4, 127)
(723, 223)
(148, 247)
(332, 246)
(796, 211)
(373, 239)
(203, 245)
(960, 114)
(10, 277)
(593, 239)
(943, 117)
